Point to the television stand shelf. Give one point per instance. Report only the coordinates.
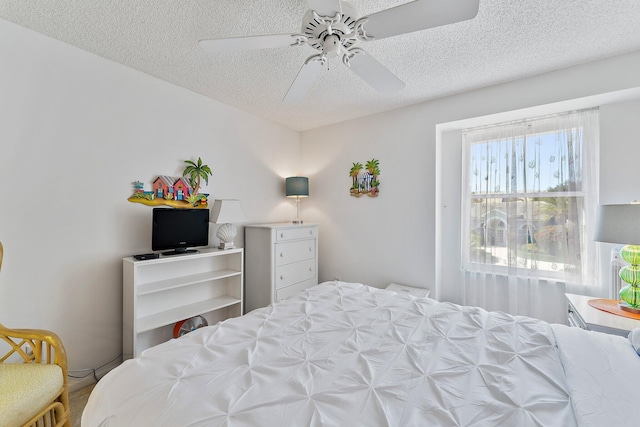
(159, 292)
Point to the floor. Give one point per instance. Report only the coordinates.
(77, 401)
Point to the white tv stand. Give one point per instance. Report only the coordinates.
(157, 293)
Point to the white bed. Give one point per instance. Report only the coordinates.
(344, 354)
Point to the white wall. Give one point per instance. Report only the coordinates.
(398, 236)
(620, 152)
(75, 131)
(372, 240)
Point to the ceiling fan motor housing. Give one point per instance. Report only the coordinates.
(319, 32)
(332, 46)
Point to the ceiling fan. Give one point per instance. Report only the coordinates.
(334, 28)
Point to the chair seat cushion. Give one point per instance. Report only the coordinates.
(26, 389)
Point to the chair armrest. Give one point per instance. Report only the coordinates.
(45, 346)
(37, 346)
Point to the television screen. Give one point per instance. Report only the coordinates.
(179, 229)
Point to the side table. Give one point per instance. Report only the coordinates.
(582, 315)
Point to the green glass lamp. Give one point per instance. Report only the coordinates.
(621, 224)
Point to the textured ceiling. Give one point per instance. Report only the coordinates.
(508, 40)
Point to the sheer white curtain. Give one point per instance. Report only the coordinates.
(530, 192)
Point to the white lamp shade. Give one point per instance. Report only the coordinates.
(618, 224)
(227, 211)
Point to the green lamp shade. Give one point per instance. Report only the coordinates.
(297, 186)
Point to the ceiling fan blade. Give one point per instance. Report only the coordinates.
(419, 15)
(305, 78)
(374, 73)
(252, 42)
(325, 7)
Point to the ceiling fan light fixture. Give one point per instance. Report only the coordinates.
(332, 47)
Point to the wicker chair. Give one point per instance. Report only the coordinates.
(35, 391)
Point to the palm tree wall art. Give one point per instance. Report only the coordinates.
(364, 179)
(181, 192)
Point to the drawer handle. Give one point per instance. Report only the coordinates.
(310, 269)
(310, 249)
(311, 232)
(282, 277)
(281, 234)
(281, 254)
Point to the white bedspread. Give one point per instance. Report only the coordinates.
(603, 373)
(344, 354)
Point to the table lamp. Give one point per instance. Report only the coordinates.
(621, 224)
(226, 212)
(297, 186)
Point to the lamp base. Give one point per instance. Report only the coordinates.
(626, 307)
(226, 245)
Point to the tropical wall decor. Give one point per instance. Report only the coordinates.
(179, 192)
(365, 178)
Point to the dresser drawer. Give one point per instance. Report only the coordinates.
(289, 291)
(281, 259)
(574, 318)
(299, 250)
(293, 273)
(286, 234)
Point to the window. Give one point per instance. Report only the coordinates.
(529, 197)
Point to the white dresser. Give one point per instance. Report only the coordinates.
(280, 261)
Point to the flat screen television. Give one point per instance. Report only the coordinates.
(178, 230)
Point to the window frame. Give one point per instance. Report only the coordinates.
(582, 195)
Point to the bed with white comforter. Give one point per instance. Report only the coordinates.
(343, 354)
